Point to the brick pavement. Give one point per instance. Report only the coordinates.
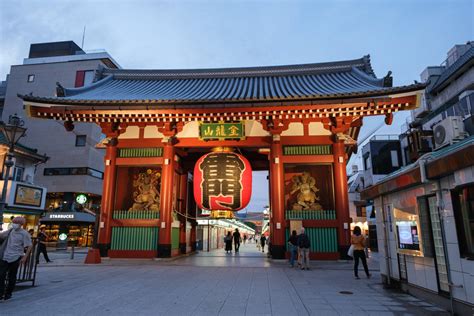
(207, 284)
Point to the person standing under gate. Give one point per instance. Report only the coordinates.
(12, 253)
(358, 241)
(303, 246)
(228, 243)
(42, 238)
(236, 240)
(263, 240)
(293, 247)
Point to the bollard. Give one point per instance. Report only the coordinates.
(72, 252)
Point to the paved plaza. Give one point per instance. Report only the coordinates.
(213, 283)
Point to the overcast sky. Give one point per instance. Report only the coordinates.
(401, 36)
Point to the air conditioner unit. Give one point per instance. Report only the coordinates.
(448, 131)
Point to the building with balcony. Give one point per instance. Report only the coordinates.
(425, 210)
(75, 165)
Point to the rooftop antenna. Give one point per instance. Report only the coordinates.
(83, 35)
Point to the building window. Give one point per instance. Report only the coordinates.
(463, 204)
(84, 78)
(18, 173)
(31, 78)
(80, 171)
(367, 164)
(81, 140)
(394, 158)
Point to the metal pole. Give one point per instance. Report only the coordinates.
(208, 236)
(6, 176)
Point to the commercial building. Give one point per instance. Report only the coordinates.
(75, 165)
(425, 211)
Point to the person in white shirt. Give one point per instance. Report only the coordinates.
(12, 253)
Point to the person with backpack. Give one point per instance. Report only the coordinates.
(303, 246)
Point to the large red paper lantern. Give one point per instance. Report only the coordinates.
(222, 181)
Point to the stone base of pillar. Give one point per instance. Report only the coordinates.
(104, 249)
(182, 247)
(93, 256)
(343, 252)
(164, 250)
(278, 252)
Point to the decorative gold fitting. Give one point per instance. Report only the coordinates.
(222, 149)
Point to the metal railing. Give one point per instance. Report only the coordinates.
(27, 271)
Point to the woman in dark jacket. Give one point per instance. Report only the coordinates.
(293, 247)
(228, 242)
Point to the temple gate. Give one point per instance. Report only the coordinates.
(299, 122)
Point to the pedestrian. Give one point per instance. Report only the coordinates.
(358, 242)
(42, 238)
(263, 240)
(293, 247)
(236, 240)
(228, 243)
(245, 239)
(303, 246)
(12, 253)
(31, 231)
(10, 225)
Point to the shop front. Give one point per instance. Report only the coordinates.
(25, 200)
(69, 229)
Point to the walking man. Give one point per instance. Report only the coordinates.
(303, 247)
(42, 237)
(263, 240)
(15, 240)
(236, 240)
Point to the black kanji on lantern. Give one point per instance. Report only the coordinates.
(222, 175)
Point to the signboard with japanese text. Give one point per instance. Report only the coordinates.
(221, 131)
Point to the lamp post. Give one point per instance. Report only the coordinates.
(12, 131)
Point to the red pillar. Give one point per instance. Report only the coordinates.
(277, 200)
(342, 196)
(108, 198)
(166, 201)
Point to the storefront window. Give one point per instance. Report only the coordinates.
(407, 231)
(463, 203)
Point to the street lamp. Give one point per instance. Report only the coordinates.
(12, 131)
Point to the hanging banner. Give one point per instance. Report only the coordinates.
(222, 181)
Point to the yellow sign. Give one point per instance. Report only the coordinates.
(208, 131)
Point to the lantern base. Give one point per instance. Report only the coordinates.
(278, 252)
(164, 250)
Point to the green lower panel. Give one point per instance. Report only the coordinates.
(175, 238)
(136, 215)
(134, 238)
(322, 239)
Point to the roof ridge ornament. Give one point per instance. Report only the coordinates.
(388, 80)
(60, 91)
